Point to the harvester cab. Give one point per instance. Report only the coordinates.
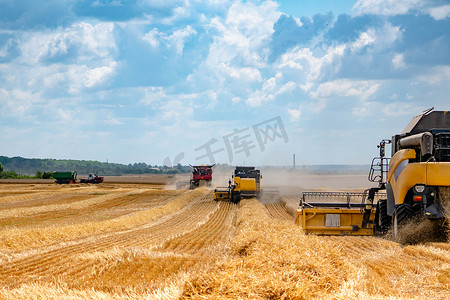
(410, 184)
(245, 183)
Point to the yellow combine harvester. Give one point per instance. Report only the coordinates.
(413, 178)
(246, 184)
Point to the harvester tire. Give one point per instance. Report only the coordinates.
(402, 212)
(383, 220)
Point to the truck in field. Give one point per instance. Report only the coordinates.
(65, 177)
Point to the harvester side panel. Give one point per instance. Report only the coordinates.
(429, 174)
(245, 185)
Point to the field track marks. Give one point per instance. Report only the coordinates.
(112, 206)
(278, 211)
(185, 253)
(67, 261)
(387, 258)
(36, 196)
(211, 234)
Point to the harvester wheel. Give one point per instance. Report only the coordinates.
(383, 221)
(402, 212)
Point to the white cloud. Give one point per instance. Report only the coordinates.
(379, 39)
(385, 7)
(82, 76)
(239, 51)
(179, 37)
(398, 61)
(401, 7)
(98, 75)
(256, 98)
(295, 113)
(395, 109)
(86, 39)
(236, 99)
(392, 109)
(153, 94)
(436, 75)
(244, 73)
(313, 67)
(63, 60)
(361, 89)
(16, 102)
(110, 120)
(288, 87)
(152, 37)
(440, 12)
(244, 34)
(272, 88)
(64, 115)
(175, 40)
(365, 38)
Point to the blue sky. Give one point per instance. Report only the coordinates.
(236, 82)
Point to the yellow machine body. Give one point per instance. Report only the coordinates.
(404, 175)
(246, 185)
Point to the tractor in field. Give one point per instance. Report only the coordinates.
(92, 178)
(246, 184)
(201, 176)
(411, 184)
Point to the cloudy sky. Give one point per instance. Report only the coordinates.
(235, 82)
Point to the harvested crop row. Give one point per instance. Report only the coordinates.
(45, 192)
(278, 211)
(84, 203)
(69, 261)
(274, 259)
(270, 259)
(385, 269)
(161, 268)
(27, 238)
(98, 210)
(212, 233)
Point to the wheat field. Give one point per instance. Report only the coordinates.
(142, 241)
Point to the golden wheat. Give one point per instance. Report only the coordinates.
(175, 244)
(26, 238)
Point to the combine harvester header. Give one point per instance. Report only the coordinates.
(339, 213)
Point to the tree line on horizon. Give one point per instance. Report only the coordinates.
(43, 168)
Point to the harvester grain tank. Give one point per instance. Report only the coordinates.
(246, 184)
(410, 184)
(201, 176)
(65, 177)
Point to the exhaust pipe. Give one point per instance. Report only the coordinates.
(424, 140)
